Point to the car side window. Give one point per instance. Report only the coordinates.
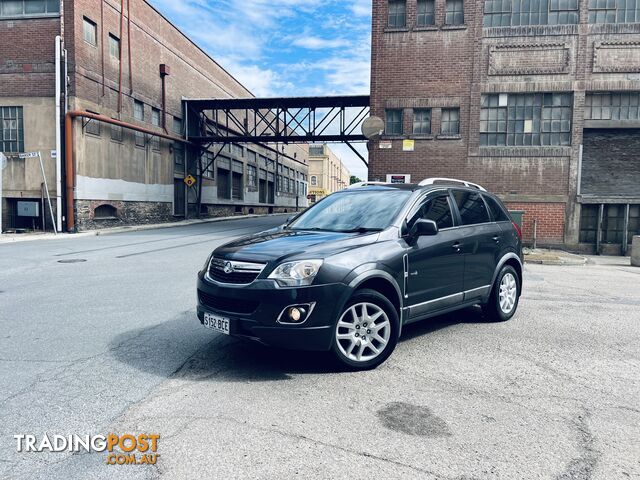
(497, 211)
(436, 209)
(471, 207)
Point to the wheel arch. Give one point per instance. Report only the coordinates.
(512, 260)
(381, 282)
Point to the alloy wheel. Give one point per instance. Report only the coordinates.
(363, 332)
(508, 293)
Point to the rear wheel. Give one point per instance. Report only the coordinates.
(366, 332)
(503, 302)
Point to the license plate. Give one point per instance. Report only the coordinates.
(217, 323)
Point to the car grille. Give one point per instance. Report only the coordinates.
(230, 305)
(233, 272)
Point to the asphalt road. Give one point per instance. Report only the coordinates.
(113, 344)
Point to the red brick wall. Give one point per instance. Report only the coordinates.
(550, 218)
(153, 41)
(26, 70)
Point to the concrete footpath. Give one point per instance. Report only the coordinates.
(25, 237)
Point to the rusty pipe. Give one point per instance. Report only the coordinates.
(129, 46)
(120, 59)
(68, 146)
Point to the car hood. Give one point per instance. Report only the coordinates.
(281, 244)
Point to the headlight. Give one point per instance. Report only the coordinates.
(206, 264)
(296, 274)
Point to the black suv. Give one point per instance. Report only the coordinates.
(349, 272)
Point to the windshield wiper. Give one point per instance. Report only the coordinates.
(361, 230)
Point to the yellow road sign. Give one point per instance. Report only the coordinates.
(190, 181)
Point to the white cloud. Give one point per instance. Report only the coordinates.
(361, 8)
(317, 43)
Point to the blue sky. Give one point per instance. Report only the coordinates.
(285, 47)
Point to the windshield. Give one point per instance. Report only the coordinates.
(353, 211)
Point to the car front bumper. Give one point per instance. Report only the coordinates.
(254, 311)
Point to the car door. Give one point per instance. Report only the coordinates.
(480, 242)
(435, 265)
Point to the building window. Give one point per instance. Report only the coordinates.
(506, 13)
(634, 222)
(252, 174)
(90, 31)
(314, 181)
(114, 46)
(394, 122)
(589, 223)
(614, 11)
(612, 106)
(531, 119)
(92, 126)
(422, 122)
(155, 121)
(397, 13)
(138, 114)
(450, 121)
(207, 165)
(426, 13)
(116, 133)
(11, 130)
(28, 8)
(454, 14)
(178, 148)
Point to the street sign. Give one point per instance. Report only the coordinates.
(398, 178)
(190, 181)
(385, 144)
(408, 145)
(29, 155)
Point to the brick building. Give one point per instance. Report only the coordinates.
(537, 100)
(119, 53)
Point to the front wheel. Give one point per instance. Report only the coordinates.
(366, 332)
(503, 302)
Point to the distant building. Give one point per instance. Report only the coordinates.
(118, 64)
(537, 100)
(327, 173)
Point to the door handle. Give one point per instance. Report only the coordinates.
(456, 246)
(496, 239)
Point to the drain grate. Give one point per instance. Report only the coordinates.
(72, 260)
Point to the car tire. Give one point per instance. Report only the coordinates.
(358, 346)
(505, 295)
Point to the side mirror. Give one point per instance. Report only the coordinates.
(424, 228)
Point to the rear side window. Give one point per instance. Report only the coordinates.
(498, 213)
(471, 207)
(436, 209)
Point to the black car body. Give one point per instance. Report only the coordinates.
(443, 248)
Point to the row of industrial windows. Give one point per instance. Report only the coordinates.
(425, 13)
(525, 119)
(612, 106)
(612, 225)
(449, 121)
(90, 36)
(508, 13)
(289, 180)
(505, 13)
(28, 8)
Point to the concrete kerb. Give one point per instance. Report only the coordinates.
(553, 257)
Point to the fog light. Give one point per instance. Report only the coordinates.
(296, 314)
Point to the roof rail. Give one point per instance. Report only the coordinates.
(365, 184)
(432, 181)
